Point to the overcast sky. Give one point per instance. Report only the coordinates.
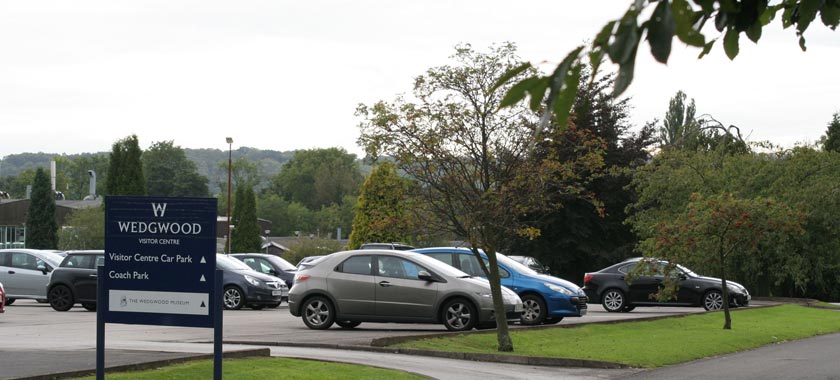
(75, 76)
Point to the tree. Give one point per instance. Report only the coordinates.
(85, 229)
(244, 172)
(286, 217)
(577, 237)
(470, 158)
(245, 237)
(382, 213)
(318, 177)
(832, 134)
(714, 229)
(170, 174)
(125, 170)
(41, 227)
(619, 40)
(679, 126)
(802, 178)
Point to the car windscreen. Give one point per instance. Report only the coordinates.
(282, 264)
(437, 266)
(687, 271)
(228, 263)
(512, 264)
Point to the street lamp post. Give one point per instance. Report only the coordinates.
(230, 165)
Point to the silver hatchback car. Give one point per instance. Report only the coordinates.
(26, 273)
(351, 287)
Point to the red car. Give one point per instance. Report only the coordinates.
(2, 299)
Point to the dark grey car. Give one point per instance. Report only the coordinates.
(352, 287)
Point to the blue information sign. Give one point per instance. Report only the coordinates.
(160, 261)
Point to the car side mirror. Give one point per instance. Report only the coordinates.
(273, 272)
(425, 276)
(683, 277)
(42, 268)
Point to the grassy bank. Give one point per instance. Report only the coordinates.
(264, 369)
(654, 343)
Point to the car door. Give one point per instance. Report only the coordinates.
(352, 286)
(83, 276)
(642, 287)
(4, 266)
(24, 279)
(399, 293)
(468, 263)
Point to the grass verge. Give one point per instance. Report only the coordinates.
(264, 369)
(826, 305)
(653, 343)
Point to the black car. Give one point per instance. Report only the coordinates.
(610, 288)
(74, 281)
(244, 286)
(270, 265)
(531, 262)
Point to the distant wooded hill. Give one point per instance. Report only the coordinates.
(207, 160)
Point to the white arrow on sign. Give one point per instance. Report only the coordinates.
(202, 260)
(202, 278)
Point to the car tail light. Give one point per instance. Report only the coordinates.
(587, 277)
(302, 277)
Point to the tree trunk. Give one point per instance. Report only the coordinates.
(727, 324)
(502, 331)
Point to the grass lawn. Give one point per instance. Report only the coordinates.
(263, 369)
(654, 343)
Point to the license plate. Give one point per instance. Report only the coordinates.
(519, 308)
(583, 312)
(276, 292)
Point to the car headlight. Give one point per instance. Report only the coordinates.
(558, 289)
(252, 281)
(484, 295)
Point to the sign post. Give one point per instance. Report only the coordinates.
(160, 265)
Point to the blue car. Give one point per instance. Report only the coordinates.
(547, 299)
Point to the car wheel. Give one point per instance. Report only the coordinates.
(459, 315)
(627, 309)
(613, 300)
(61, 298)
(318, 313)
(89, 306)
(534, 310)
(552, 320)
(10, 301)
(348, 324)
(233, 298)
(713, 300)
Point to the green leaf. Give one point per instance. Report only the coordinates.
(566, 97)
(558, 78)
(807, 12)
(787, 17)
(518, 91)
(661, 29)
(684, 20)
(707, 48)
(754, 32)
(596, 57)
(537, 92)
(603, 37)
(802, 43)
(625, 76)
(730, 43)
(769, 14)
(510, 74)
(721, 20)
(830, 15)
(626, 41)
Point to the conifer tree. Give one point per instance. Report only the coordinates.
(41, 227)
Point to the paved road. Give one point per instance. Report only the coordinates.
(35, 340)
(42, 339)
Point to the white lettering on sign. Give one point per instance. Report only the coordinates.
(157, 207)
(160, 228)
